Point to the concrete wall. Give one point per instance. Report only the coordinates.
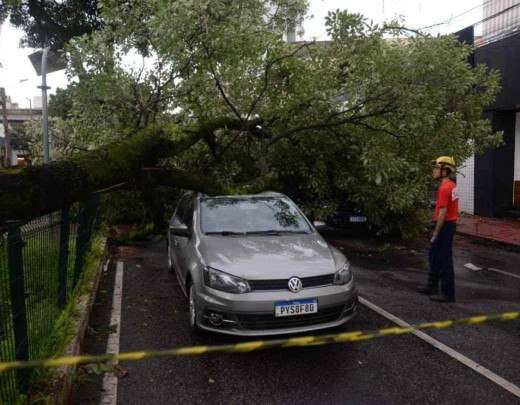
(466, 186)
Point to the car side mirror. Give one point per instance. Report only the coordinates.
(319, 225)
(180, 230)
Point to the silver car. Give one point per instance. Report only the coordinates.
(254, 265)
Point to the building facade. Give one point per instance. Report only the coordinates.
(489, 184)
(16, 117)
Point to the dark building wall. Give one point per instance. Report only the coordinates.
(504, 55)
(494, 171)
(466, 36)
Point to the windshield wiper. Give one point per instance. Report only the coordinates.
(225, 233)
(273, 232)
(266, 232)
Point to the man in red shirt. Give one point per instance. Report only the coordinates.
(445, 218)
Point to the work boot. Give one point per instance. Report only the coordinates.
(427, 290)
(441, 298)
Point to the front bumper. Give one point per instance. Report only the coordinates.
(252, 314)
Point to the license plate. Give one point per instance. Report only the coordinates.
(358, 219)
(293, 308)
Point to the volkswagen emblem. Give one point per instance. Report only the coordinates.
(295, 284)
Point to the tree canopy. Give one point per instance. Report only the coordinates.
(354, 120)
(51, 23)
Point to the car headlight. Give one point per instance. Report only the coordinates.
(343, 275)
(225, 282)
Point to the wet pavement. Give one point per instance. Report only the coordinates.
(392, 370)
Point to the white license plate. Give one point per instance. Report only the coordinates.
(293, 308)
(358, 219)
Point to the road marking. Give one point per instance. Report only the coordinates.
(109, 392)
(504, 272)
(507, 385)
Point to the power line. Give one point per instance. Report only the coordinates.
(497, 14)
(499, 34)
(481, 21)
(449, 20)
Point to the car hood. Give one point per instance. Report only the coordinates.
(269, 257)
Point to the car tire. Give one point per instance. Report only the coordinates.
(192, 309)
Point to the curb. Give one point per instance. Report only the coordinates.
(492, 242)
(65, 374)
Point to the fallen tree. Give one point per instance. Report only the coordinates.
(33, 191)
(233, 107)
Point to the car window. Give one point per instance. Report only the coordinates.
(184, 209)
(187, 213)
(180, 206)
(251, 215)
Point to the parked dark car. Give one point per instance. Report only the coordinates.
(346, 218)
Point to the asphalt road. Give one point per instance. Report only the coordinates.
(392, 370)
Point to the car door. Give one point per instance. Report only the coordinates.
(180, 245)
(173, 240)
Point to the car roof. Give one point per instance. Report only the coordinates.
(262, 194)
(246, 196)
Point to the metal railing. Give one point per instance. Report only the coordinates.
(41, 262)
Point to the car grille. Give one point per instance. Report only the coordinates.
(269, 321)
(282, 284)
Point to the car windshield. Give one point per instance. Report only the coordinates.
(255, 215)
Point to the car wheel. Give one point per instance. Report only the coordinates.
(192, 309)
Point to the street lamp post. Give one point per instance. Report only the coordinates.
(48, 62)
(45, 117)
(7, 135)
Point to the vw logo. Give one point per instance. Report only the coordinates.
(295, 284)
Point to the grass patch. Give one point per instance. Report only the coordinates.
(49, 327)
(44, 380)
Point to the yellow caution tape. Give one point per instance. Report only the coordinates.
(255, 345)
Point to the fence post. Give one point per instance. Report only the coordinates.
(17, 287)
(81, 242)
(63, 258)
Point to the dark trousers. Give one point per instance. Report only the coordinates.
(441, 261)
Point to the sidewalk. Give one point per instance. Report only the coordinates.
(502, 230)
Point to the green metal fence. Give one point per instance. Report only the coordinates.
(40, 264)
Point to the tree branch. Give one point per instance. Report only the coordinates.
(219, 85)
(162, 176)
(402, 28)
(268, 67)
(326, 124)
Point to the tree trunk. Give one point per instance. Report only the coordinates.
(33, 191)
(37, 190)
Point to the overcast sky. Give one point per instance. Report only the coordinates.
(18, 77)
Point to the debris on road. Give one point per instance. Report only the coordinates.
(472, 267)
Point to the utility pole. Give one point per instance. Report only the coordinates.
(7, 139)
